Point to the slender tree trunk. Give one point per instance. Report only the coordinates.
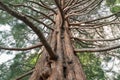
(67, 65)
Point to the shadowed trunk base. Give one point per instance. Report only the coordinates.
(66, 69)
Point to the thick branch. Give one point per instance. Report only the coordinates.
(61, 12)
(32, 26)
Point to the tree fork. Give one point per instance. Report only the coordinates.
(57, 66)
(66, 66)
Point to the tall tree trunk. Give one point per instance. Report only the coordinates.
(67, 65)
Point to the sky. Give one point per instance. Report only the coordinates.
(3, 56)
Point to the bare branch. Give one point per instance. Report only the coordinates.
(87, 11)
(102, 18)
(80, 3)
(22, 49)
(92, 40)
(69, 3)
(19, 5)
(39, 22)
(80, 25)
(92, 24)
(44, 6)
(98, 49)
(83, 9)
(24, 75)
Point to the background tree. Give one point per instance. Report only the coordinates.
(62, 30)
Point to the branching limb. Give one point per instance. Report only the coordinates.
(32, 26)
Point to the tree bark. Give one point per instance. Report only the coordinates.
(67, 65)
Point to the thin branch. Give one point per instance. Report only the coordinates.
(80, 25)
(22, 49)
(97, 18)
(22, 5)
(102, 18)
(87, 11)
(92, 24)
(39, 22)
(83, 9)
(24, 75)
(98, 49)
(44, 6)
(92, 40)
(80, 3)
(69, 3)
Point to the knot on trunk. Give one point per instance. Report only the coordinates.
(45, 73)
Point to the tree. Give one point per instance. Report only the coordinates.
(62, 28)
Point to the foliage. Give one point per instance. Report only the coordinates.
(91, 66)
(110, 2)
(114, 6)
(18, 66)
(19, 32)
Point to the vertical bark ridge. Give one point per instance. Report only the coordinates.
(73, 60)
(57, 66)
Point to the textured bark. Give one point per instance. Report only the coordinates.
(67, 65)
